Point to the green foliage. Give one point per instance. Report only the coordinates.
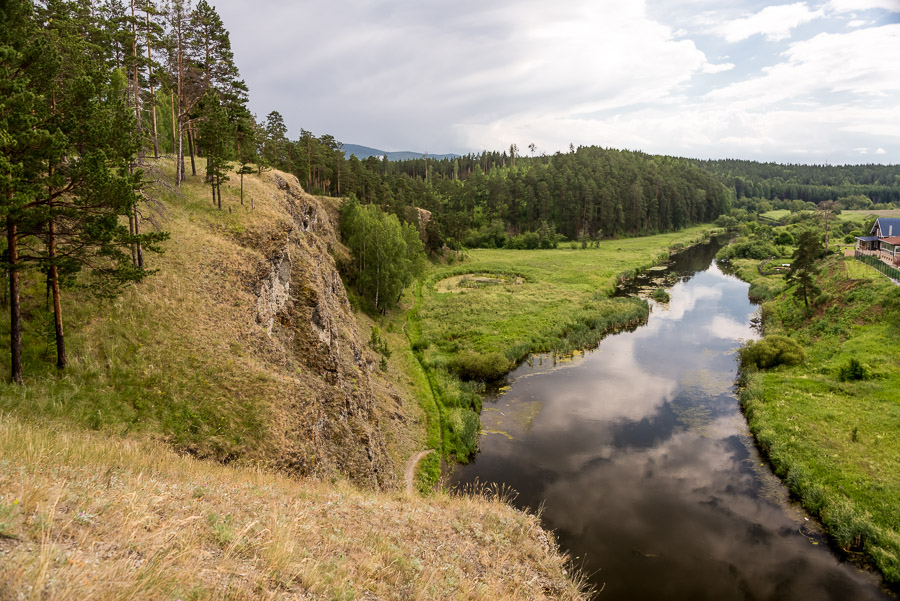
(484, 367)
(853, 371)
(387, 255)
(660, 295)
(463, 427)
(784, 238)
(772, 351)
(804, 266)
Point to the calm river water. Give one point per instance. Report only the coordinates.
(643, 464)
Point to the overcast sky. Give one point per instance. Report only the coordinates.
(805, 82)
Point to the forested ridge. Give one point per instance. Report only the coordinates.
(807, 183)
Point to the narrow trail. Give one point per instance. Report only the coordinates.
(411, 469)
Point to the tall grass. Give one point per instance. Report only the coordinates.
(89, 516)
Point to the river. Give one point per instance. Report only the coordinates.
(643, 465)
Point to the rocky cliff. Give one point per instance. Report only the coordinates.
(334, 404)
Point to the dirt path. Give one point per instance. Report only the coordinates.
(411, 469)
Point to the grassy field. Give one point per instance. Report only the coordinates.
(548, 295)
(91, 516)
(852, 215)
(775, 215)
(833, 438)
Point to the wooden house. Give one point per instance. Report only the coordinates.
(885, 228)
(890, 249)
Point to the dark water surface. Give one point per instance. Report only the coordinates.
(642, 460)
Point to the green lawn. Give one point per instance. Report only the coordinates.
(835, 442)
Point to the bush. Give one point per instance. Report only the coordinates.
(463, 426)
(477, 366)
(784, 239)
(661, 296)
(755, 249)
(772, 351)
(853, 371)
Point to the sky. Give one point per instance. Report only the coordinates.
(800, 82)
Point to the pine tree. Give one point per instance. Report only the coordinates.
(216, 132)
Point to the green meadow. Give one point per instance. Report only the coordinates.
(539, 300)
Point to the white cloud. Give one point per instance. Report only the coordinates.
(860, 5)
(881, 151)
(774, 22)
(829, 63)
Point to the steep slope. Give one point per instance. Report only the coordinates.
(242, 347)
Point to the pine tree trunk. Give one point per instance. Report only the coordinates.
(136, 81)
(219, 190)
(61, 360)
(137, 232)
(191, 148)
(242, 185)
(152, 92)
(134, 260)
(15, 309)
(174, 133)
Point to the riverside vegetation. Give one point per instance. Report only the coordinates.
(821, 392)
(526, 301)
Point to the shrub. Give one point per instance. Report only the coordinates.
(463, 426)
(772, 351)
(784, 239)
(853, 370)
(661, 296)
(477, 366)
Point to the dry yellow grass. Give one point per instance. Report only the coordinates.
(85, 516)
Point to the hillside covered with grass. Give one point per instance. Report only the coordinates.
(241, 347)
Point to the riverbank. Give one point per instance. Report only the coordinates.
(829, 425)
(475, 320)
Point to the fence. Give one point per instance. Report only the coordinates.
(878, 264)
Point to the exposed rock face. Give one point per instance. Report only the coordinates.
(332, 421)
(274, 291)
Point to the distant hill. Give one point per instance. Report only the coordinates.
(364, 152)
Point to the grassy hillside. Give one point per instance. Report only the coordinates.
(831, 430)
(103, 517)
(207, 356)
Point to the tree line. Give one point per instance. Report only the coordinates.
(781, 183)
(494, 199)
